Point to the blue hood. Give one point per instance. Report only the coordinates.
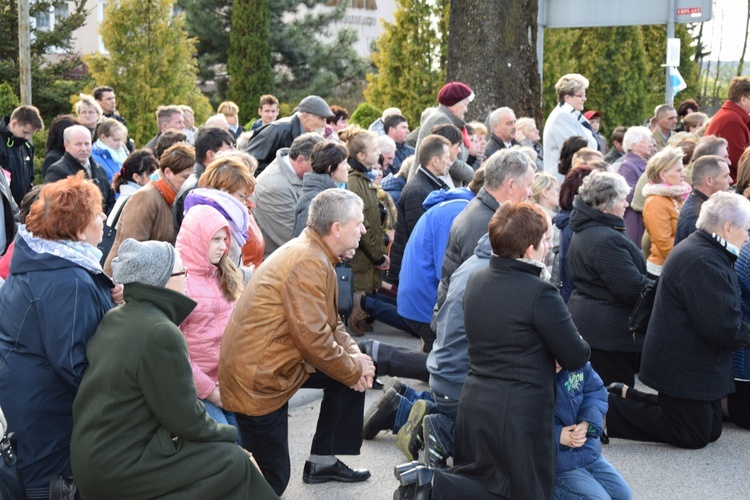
(562, 219)
(441, 195)
(483, 249)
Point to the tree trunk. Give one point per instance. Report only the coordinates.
(494, 52)
(744, 44)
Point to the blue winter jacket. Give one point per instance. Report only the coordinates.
(742, 268)
(581, 396)
(562, 221)
(424, 252)
(105, 160)
(50, 306)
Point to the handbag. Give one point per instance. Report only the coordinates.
(109, 233)
(344, 278)
(641, 314)
(11, 485)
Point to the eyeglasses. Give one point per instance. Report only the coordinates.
(183, 272)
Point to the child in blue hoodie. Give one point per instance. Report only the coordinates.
(582, 470)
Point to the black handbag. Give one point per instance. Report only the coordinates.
(346, 289)
(109, 233)
(11, 485)
(641, 314)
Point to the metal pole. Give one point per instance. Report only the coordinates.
(541, 20)
(24, 51)
(669, 97)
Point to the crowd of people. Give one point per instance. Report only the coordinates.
(161, 305)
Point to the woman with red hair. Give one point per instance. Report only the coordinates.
(51, 304)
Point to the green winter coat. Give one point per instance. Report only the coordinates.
(371, 249)
(139, 430)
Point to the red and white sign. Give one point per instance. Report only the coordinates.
(689, 11)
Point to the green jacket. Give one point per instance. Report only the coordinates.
(139, 430)
(372, 244)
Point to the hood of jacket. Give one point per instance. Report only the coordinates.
(198, 227)
(315, 182)
(562, 219)
(174, 305)
(9, 139)
(483, 249)
(583, 216)
(441, 195)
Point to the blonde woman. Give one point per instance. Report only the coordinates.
(88, 112)
(665, 193)
(546, 194)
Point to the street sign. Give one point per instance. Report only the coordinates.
(601, 13)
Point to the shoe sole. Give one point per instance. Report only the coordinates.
(324, 479)
(367, 433)
(409, 438)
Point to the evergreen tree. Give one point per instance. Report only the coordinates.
(249, 56)
(51, 79)
(150, 60)
(410, 58)
(304, 62)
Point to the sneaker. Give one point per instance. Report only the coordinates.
(434, 435)
(409, 439)
(381, 414)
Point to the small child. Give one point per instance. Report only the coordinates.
(582, 471)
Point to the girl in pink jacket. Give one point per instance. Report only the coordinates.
(215, 284)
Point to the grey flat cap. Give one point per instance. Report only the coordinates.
(316, 106)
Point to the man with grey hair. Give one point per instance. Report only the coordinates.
(508, 176)
(285, 334)
(666, 121)
(279, 187)
(310, 116)
(503, 125)
(167, 117)
(77, 158)
(710, 175)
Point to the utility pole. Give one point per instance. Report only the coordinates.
(24, 51)
(669, 95)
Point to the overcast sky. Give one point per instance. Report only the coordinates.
(730, 17)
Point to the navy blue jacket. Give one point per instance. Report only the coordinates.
(581, 396)
(50, 307)
(742, 268)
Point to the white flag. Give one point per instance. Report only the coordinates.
(676, 80)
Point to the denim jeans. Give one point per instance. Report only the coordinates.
(383, 308)
(405, 402)
(598, 480)
(222, 417)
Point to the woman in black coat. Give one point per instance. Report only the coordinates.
(504, 434)
(695, 324)
(608, 272)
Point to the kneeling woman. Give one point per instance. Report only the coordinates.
(504, 435)
(139, 430)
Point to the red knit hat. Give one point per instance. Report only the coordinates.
(454, 92)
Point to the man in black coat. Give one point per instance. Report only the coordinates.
(503, 125)
(695, 324)
(434, 160)
(77, 157)
(508, 176)
(310, 116)
(16, 149)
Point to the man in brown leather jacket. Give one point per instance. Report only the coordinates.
(285, 333)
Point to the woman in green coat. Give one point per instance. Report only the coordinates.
(139, 430)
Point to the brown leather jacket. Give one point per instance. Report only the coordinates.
(284, 327)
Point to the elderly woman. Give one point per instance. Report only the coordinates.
(695, 325)
(139, 429)
(51, 303)
(148, 214)
(329, 169)
(665, 193)
(226, 185)
(109, 150)
(608, 272)
(89, 113)
(566, 120)
(638, 148)
(527, 134)
(514, 340)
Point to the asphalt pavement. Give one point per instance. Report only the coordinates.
(653, 471)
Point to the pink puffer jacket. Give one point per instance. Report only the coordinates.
(204, 328)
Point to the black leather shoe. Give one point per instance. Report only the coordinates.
(316, 473)
(381, 414)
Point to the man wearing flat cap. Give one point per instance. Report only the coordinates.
(310, 116)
